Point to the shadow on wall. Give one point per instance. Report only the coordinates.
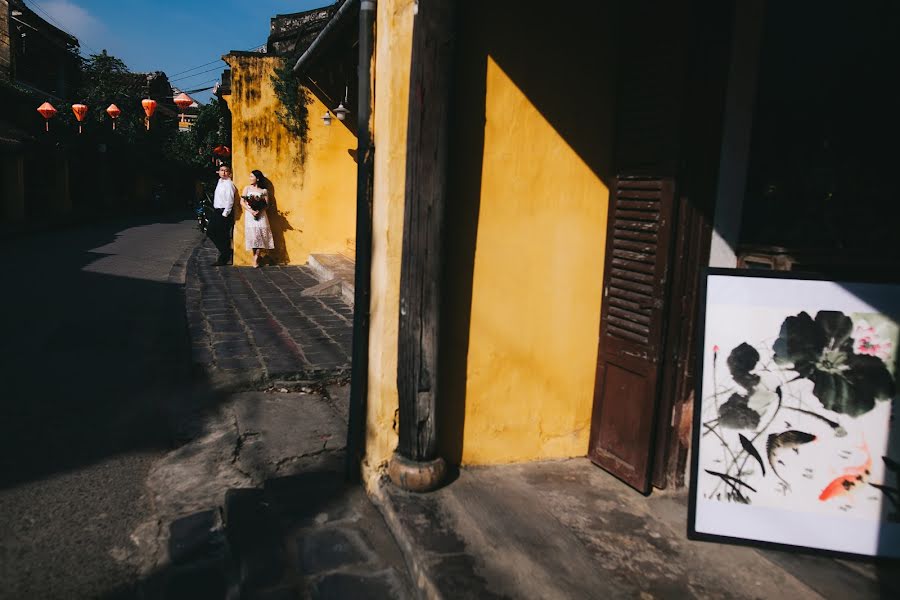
(518, 41)
(278, 221)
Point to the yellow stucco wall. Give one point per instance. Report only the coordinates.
(525, 232)
(314, 207)
(526, 228)
(536, 288)
(391, 68)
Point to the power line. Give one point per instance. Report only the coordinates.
(203, 89)
(46, 14)
(57, 23)
(201, 83)
(210, 63)
(197, 67)
(196, 74)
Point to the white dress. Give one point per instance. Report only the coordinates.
(257, 233)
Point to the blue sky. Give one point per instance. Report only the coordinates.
(169, 35)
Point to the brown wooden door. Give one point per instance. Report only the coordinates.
(635, 283)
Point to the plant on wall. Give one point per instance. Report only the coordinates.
(293, 111)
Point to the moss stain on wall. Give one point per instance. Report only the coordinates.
(313, 208)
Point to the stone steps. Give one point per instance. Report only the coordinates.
(336, 274)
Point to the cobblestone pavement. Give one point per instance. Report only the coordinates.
(253, 324)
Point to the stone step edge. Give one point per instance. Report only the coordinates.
(326, 275)
(417, 561)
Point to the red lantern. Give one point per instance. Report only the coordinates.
(48, 112)
(222, 151)
(149, 108)
(80, 111)
(113, 111)
(183, 101)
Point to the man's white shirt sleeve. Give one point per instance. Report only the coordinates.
(224, 198)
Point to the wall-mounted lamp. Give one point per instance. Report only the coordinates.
(340, 112)
(326, 118)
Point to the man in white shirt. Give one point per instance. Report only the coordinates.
(221, 222)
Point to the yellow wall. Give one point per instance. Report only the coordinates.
(314, 204)
(536, 289)
(525, 231)
(391, 67)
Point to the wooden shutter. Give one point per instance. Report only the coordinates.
(638, 253)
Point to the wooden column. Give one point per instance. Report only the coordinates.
(416, 465)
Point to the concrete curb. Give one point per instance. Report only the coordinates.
(416, 562)
(178, 272)
(259, 381)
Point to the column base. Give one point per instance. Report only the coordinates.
(415, 476)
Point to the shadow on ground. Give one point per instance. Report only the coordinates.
(309, 535)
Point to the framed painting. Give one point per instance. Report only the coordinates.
(795, 439)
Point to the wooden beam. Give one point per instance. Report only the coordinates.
(426, 190)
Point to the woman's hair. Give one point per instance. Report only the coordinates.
(260, 178)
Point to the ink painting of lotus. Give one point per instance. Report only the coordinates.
(795, 439)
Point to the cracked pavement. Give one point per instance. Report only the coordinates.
(254, 503)
(257, 505)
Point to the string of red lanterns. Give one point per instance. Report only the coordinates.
(48, 111)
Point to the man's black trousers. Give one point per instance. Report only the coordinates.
(219, 231)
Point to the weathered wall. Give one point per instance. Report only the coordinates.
(391, 67)
(531, 147)
(313, 208)
(526, 226)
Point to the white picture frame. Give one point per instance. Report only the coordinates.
(795, 440)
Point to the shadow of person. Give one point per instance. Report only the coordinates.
(278, 221)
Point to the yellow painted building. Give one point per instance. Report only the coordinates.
(524, 232)
(312, 202)
(572, 172)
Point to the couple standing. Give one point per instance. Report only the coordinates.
(254, 201)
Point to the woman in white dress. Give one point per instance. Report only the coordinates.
(255, 200)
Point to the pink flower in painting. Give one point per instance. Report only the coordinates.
(716, 349)
(866, 345)
(869, 343)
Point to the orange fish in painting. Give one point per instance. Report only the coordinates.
(852, 477)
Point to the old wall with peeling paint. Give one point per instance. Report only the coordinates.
(531, 154)
(313, 208)
(391, 67)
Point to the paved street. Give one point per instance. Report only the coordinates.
(93, 339)
(254, 504)
(137, 464)
(254, 324)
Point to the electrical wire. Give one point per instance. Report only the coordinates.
(57, 23)
(198, 90)
(195, 74)
(206, 65)
(197, 67)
